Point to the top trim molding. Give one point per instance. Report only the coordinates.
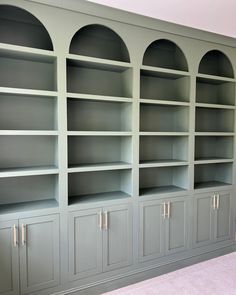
(119, 15)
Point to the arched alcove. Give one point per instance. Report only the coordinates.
(99, 41)
(165, 54)
(216, 63)
(19, 27)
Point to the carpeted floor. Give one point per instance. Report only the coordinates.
(213, 277)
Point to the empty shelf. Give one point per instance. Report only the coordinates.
(109, 196)
(209, 184)
(28, 206)
(160, 190)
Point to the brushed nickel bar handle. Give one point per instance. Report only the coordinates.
(23, 234)
(14, 236)
(168, 210)
(217, 201)
(100, 220)
(106, 220)
(164, 210)
(214, 202)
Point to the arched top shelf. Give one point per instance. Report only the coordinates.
(216, 63)
(19, 27)
(99, 41)
(165, 54)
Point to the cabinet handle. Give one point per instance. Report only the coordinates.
(217, 201)
(106, 220)
(168, 210)
(100, 220)
(14, 236)
(214, 202)
(23, 234)
(164, 210)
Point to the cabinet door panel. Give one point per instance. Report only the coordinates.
(9, 260)
(151, 240)
(223, 218)
(203, 220)
(176, 226)
(39, 257)
(85, 244)
(117, 239)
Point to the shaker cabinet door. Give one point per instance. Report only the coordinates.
(151, 239)
(39, 253)
(223, 218)
(117, 237)
(203, 231)
(176, 226)
(9, 259)
(85, 243)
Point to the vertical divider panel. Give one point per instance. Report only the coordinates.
(62, 130)
(62, 155)
(192, 130)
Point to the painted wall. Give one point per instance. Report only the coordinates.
(217, 16)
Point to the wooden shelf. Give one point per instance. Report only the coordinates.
(146, 133)
(208, 160)
(27, 53)
(98, 133)
(214, 79)
(164, 102)
(29, 132)
(28, 171)
(215, 106)
(99, 167)
(28, 92)
(162, 163)
(214, 134)
(163, 72)
(98, 97)
(97, 63)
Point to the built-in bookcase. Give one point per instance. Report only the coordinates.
(28, 114)
(117, 146)
(99, 116)
(214, 121)
(164, 120)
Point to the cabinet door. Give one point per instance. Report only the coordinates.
(9, 259)
(85, 243)
(151, 239)
(176, 226)
(117, 237)
(39, 253)
(223, 218)
(203, 231)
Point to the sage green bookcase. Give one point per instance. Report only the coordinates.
(117, 147)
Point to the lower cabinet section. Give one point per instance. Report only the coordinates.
(30, 251)
(213, 218)
(99, 240)
(163, 228)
